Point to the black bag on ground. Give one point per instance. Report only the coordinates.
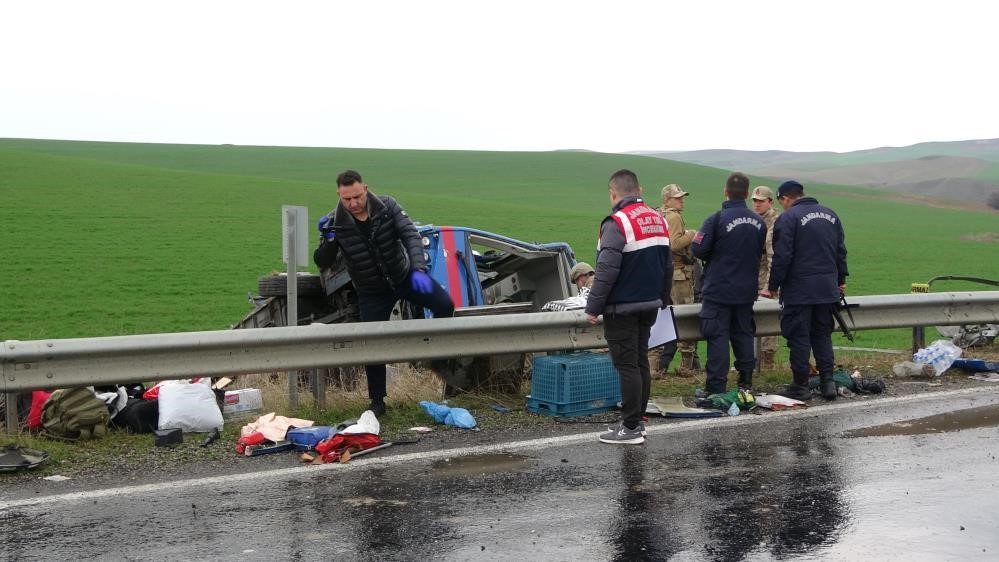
(138, 416)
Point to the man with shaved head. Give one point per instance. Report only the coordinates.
(633, 279)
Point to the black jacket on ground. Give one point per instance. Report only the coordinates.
(730, 242)
(809, 262)
(379, 261)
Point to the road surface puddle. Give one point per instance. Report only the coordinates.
(982, 416)
(481, 464)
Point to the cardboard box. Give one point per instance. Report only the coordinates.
(242, 402)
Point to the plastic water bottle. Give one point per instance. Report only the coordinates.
(733, 410)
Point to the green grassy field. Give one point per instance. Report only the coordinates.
(111, 238)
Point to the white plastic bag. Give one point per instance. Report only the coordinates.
(189, 407)
(940, 355)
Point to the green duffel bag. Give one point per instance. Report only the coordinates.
(75, 413)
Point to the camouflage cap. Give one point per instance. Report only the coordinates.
(673, 190)
(581, 268)
(762, 193)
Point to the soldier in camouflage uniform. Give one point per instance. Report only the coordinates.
(683, 281)
(763, 204)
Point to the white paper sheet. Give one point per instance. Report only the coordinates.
(664, 330)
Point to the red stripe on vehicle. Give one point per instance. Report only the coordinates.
(455, 288)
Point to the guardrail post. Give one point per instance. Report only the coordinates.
(919, 332)
(10, 400)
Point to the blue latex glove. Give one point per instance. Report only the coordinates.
(421, 282)
(325, 228)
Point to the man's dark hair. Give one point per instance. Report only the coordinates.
(737, 186)
(350, 177)
(625, 182)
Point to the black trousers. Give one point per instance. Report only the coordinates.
(377, 307)
(722, 324)
(808, 330)
(627, 338)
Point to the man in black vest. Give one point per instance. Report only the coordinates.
(809, 269)
(384, 256)
(730, 242)
(633, 280)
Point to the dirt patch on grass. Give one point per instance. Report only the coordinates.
(992, 237)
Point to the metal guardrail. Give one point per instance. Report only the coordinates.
(60, 363)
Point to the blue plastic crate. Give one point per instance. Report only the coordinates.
(575, 378)
(569, 410)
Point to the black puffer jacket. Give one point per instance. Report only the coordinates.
(382, 261)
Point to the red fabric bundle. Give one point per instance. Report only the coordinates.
(38, 398)
(332, 448)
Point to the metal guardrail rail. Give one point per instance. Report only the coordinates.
(60, 363)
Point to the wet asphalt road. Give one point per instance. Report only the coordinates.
(840, 482)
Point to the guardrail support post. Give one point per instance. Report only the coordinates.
(919, 332)
(10, 399)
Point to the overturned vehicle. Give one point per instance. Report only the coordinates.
(485, 274)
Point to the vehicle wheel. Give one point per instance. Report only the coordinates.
(277, 286)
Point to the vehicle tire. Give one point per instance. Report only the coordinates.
(309, 285)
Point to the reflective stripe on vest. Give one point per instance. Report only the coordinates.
(643, 227)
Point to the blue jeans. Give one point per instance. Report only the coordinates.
(377, 307)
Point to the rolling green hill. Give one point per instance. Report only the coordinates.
(114, 238)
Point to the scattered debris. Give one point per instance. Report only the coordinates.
(939, 355)
(242, 402)
(456, 417)
(306, 438)
(421, 429)
(213, 435)
(673, 407)
(167, 437)
(15, 457)
(911, 369)
(777, 402)
(267, 448)
(976, 365)
(987, 377)
(56, 478)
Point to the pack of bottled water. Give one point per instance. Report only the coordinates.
(940, 355)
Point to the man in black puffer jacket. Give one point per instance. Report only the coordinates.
(384, 256)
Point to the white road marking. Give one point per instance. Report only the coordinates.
(360, 464)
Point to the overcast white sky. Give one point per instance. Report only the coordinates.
(511, 75)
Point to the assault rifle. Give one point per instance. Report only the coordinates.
(837, 314)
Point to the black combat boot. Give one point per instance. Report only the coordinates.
(827, 386)
(746, 381)
(798, 390)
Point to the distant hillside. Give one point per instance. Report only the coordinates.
(962, 171)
